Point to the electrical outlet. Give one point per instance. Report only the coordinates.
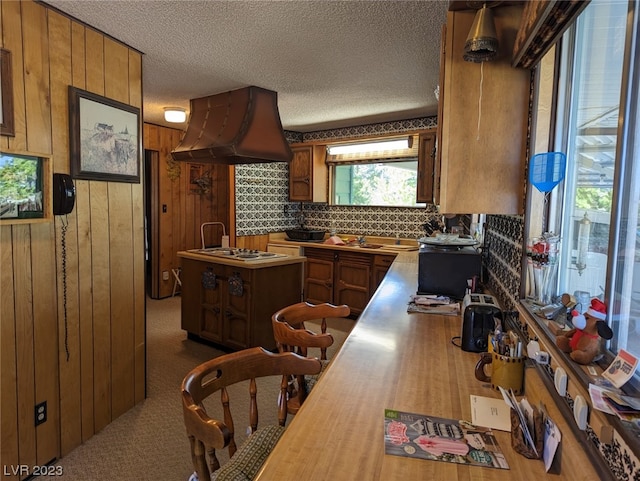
(165, 275)
(40, 413)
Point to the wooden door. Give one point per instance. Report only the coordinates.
(318, 283)
(212, 305)
(426, 167)
(301, 174)
(236, 309)
(352, 280)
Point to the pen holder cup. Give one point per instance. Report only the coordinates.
(506, 371)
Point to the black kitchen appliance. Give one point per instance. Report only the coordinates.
(481, 314)
(446, 271)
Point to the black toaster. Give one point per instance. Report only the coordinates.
(481, 315)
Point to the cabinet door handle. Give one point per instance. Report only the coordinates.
(228, 313)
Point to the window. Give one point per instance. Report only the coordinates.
(382, 183)
(596, 209)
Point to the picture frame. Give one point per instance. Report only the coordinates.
(6, 94)
(104, 138)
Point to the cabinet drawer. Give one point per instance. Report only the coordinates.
(383, 260)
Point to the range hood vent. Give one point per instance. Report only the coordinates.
(237, 127)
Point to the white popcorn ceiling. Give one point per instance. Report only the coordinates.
(332, 63)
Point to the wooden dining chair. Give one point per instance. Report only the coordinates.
(292, 335)
(206, 434)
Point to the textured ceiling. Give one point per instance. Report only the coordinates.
(333, 63)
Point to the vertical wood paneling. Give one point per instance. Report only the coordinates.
(101, 301)
(104, 251)
(82, 213)
(25, 372)
(12, 36)
(121, 286)
(8, 380)
(121, 239)
(60, 53)
(36, 77)
(45, 333)
(85, 309)
(137, 206)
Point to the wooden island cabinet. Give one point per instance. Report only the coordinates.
(230, 302)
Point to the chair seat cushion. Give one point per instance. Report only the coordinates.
(312, 379)
(249, 458)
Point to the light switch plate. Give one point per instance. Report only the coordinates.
(580, 412)
(560, 380)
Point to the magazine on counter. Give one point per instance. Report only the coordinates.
(427, 437)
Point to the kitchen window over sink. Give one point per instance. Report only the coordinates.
(382, 183)
(596, 209)
(375, 172)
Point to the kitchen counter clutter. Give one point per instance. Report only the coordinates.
(228, 298)
(406, 362)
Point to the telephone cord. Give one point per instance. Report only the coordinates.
(63, 247)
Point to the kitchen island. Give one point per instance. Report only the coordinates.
(407, 362)
(229, 301)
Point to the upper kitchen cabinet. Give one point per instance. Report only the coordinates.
(483, 120)
(308, 174)
(426, 167)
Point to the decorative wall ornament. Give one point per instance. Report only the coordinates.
(209, 279)
(199, 179)
(236, 285)
(173, 168)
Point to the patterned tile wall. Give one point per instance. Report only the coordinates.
(504, 238)
(262, 191)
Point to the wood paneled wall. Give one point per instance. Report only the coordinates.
(86, 361)
(178, 209)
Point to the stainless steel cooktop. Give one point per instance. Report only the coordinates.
(239, 254)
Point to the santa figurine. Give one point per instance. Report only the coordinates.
(583, 343)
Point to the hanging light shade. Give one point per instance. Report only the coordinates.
(482, 41)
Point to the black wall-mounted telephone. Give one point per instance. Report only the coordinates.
(64, 194)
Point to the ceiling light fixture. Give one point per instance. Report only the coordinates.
(482, 41)
(372, 146)
(175, 115)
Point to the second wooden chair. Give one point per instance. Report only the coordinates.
(291, 335)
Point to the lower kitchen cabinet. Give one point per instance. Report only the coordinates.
(232, 306)
(319, 274)
(381, 264)
(342, 277)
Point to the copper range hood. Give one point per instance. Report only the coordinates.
(237, 127)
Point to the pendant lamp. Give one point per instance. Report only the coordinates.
(482, 41)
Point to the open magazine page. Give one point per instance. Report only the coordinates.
(438, 439)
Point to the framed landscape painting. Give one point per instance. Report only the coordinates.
(104, 138)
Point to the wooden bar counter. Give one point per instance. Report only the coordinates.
(393, 359)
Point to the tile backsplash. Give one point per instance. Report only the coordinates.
(262, 195)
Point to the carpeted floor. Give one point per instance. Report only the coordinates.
(149, 442)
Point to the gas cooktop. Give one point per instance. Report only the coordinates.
(239, 254)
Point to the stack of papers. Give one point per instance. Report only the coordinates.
(615, 402)
(433, 304)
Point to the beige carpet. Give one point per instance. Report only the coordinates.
(149, 442)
